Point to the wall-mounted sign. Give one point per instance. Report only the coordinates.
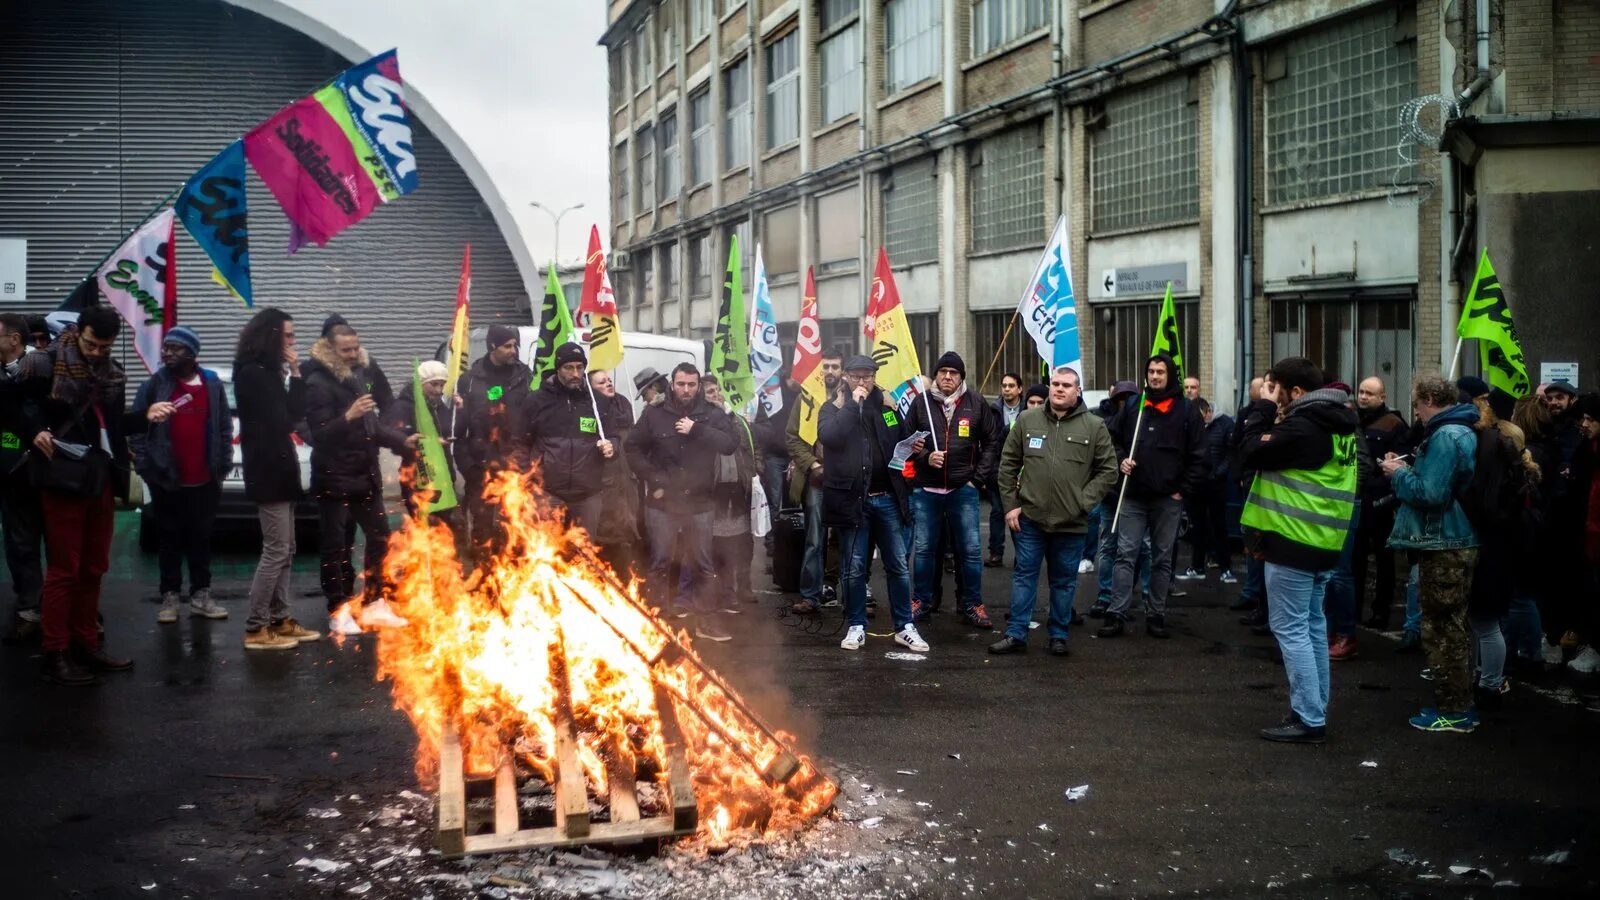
(1136, 281)
(13, 270)
(1559, 371)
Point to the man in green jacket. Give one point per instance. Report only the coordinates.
(1057, 463)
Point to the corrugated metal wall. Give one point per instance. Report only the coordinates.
(106, 106)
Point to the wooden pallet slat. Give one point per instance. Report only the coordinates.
(506, 806)
(452, 794)
(624, 785)
(680, 786)
(572, 794)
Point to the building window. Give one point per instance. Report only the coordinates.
(1319, 327)
(840, 53)
(647, 281)
(701, 14)
(1144, 158)
(1333, 110)
(842, 336)
(988, 330)
(1007, 192)
(780, 241)
(747, 252)
(666, 28)
(671, 179)
(924, 329)
(669, 275)
(911, 213)
(839, 231)
(643, 64)
(1123, 333)
(644, 143)
(701, 145)
(619, 75)
(911, 43)
(736, 125)
(783, 90)
(700, 265)
(997, 22)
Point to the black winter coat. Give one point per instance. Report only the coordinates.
(772, 432)
(42, 412)
(1385, 432)
(1218, 453)
(269, 410)
(845, 433)
(344, 454)
(485, 433)
(1171, 450)
(971, 438)
(556, 428)
(679, 465)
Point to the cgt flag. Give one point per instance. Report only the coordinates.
(1167, 335)
(807, 369)
(212, 207)
(433, 479)
(597, 308)
(555, 328)
(766, 354)
(899, 372)
(459, 325)
(1486, 317)
(1049, 310)
(141, 281)
(730, 347)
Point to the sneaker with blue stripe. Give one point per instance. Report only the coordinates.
(1431, 719)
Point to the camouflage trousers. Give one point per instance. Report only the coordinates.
(1445, 582)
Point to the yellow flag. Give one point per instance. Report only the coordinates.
(893, 349)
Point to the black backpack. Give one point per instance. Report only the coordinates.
(1498, 496)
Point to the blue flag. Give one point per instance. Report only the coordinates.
(1049, 309)
(377, 100)
(212, 207)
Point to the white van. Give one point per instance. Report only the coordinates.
(640, 350)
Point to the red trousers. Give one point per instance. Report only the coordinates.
(77, 547)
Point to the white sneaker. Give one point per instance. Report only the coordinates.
(854, 638)
(1551, 654)
(1085, 567)
(1191, 575)
(342, 624)
(379, 615)
(1228, 577)
(1586, 663)
(909, 639)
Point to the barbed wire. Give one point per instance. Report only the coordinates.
(1422, 123)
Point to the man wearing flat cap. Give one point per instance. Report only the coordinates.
(557, 430)
(493, 389)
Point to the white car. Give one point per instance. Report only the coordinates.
(235, 509)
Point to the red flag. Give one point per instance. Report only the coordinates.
(808, 337)
(458, 329)
(883, 296)
(597, 308)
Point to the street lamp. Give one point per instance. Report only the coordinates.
(555, 248)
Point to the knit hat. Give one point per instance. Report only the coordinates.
(1561, 387)
(1123, 389)
(1589, 405)
(432, 370)
(1470, 387)
(184, 336)
(329, 322)
(499, 334)
(951, 360)
(570, 353)
(860, 361)
(1037, 390)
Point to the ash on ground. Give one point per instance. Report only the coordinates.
(876, 843)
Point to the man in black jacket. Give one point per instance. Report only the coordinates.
(346, 433)
(959, 456)
(672, 450)
(1384, 432)
(557, 430)
(1208, 530)
(490, 393)
(1165, 464)
(21, 517)
(866, 498)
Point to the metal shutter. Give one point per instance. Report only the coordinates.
(106, 106)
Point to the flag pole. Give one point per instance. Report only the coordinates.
(993, 360)
(1455, 358)
(928, 405)
(1133, 447)
(154, 210)
(595, 404)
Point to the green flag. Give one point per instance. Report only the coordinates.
(555, 328)
(730, 347)
(433, 472)
(1486, 317)
(1167, 335)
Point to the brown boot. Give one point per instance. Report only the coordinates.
(60, 669)
(96, 660)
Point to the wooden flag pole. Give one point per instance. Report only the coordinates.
(993, 360)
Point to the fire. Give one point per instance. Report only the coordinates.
(544, 629)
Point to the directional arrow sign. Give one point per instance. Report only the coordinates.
(1142, 281)
(1108, 280)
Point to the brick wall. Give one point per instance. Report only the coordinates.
(735, 186)
(1134, 23)
(1025, 67)
(1429, 212)
(911, 114)
(619, 122)
(781, 168)
(1526, 41)
(738, 24)
(700, 201)
(668, 81)
(1077, 201)
(835, 145)
(1205, 340)
(698, 57)
(668, 214)
(1577, 54)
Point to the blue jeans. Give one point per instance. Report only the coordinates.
(884, 528)
(1063, 552)
(811, 565)
(997, 521)
(1523, 627)
(1341, 604)
(1414, 601)
(686, 538)
(930, 512)
(1295, 613)
(1255, 580)
(1091, 537)
(772, 479)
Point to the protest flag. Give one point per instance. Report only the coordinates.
(1486, 318)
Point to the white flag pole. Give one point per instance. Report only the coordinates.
(1133, 447)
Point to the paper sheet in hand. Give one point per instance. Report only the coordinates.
(902, 450)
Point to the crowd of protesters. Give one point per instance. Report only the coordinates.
(1345, 509)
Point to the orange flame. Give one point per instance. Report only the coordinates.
(543, 624)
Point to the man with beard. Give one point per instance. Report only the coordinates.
(817, 577)
(557, 430)
(1383, 432)
(183, 456)
(1165, 463)
(491, 393)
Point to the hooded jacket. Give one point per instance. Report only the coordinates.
(1302, 440)
(847, 435)
(556, 428)
(153, 456)
(969, 435)
(1056, 468)
(1430, 517)
(679, 465)
(344, 454)
(491, 395)
(1171, 449)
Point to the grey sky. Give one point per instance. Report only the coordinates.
(523, 82)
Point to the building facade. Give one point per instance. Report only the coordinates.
(1314, 176)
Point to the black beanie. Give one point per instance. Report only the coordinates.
(329, 322)
(570, 352)
(1037, 390)
(951, 360)
(499, 334)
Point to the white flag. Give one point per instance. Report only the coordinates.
(140, 280)
(1049, 310)
(766, 354)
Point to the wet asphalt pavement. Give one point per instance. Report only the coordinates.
(115, 788)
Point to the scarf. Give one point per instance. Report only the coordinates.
(951, 401)
(80, 383)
